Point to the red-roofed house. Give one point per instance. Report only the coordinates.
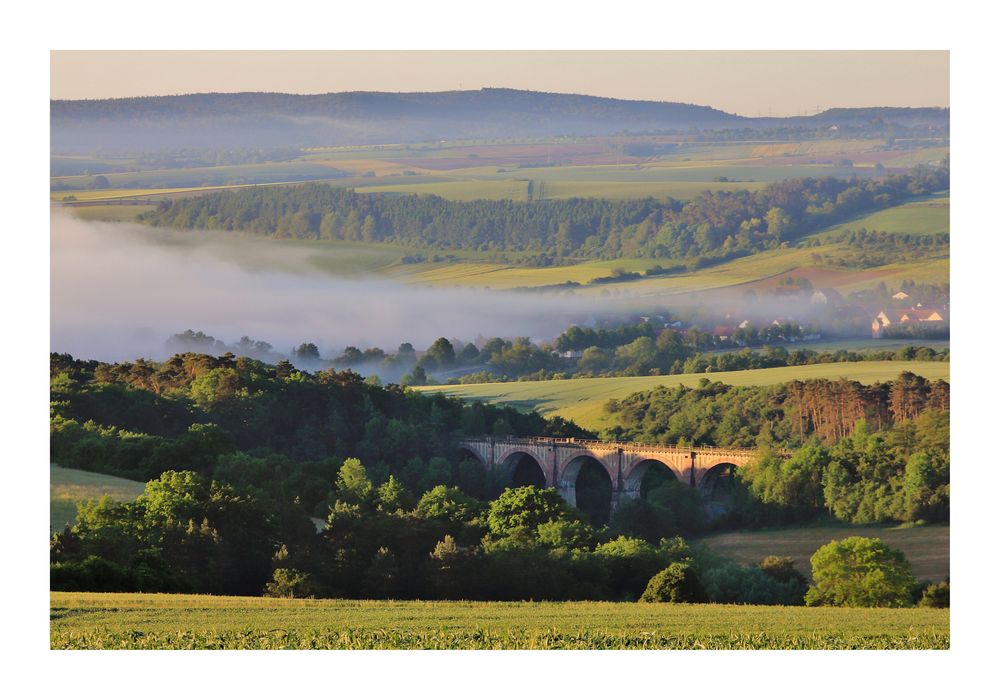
(894, 318)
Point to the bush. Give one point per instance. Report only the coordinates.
(936, 595)
(860, 572)
(290, 583)
(91, 574)
(782, 569)
(678, 583)
(630, 564)
(526, 507)
(731, 583)
(640, 518)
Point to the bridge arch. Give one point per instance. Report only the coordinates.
(587, 483)
(641, 476)
(521, 468)
(464, 452)
(716, 484)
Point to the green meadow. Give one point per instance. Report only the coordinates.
(925, 215)
(67, 487)
(926, 547)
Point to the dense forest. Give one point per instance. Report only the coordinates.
(189, 534)
(713, 225)
(859, 454)
(275, 429)
(240, 456)
(789, 414)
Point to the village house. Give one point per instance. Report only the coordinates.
(826, 296)
(723, 332)
(919, 318)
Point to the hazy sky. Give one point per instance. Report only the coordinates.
(745, 82)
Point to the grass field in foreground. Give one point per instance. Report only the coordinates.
(151, 621)
(583, 400)
(68, 486)
(926, 548)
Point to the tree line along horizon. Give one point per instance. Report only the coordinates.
(256, 450)
(711, 227)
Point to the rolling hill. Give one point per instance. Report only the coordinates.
(226, 120)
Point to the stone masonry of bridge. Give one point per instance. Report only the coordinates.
(561, 459)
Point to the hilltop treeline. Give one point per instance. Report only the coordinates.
(861, 453)
(788, 414)
(274, 428)
(712, 225)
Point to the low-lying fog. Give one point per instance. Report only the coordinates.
(120, 290)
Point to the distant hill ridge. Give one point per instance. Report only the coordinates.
(264, 119)
(368, 104)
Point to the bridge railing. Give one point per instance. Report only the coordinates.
(612, 445)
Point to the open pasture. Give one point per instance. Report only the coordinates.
(760, 272)
(69, 486)
(924, 215)
(108, 212)
(927, 547)
(63, 165)
(117, 193)
(597, 167)
(516, 187)
(583, 400)
(609, 189)
(460, 190)
(860, 345)
(158, 621)
(686, 171)
(214, 176)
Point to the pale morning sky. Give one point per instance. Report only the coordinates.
(745, 82)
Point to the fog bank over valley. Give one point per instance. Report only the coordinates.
(120, 290)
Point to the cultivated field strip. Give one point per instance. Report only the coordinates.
(156, 621)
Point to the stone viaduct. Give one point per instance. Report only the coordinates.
(560, 462)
